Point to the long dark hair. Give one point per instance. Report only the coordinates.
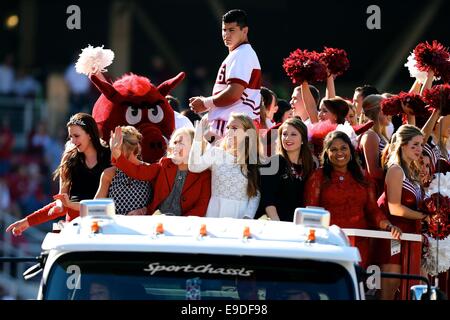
(71, 156)
(267, 96)
(305, 157)
(352, 166)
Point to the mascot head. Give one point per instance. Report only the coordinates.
(131, 100)
(134, 100)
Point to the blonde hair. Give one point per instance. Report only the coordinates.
(371, 110)
(392, 153)
(248, 160)
(187, 131)
(131, 140)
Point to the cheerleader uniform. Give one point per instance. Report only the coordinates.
(411, 197)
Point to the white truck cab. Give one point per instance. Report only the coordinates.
(178, 258)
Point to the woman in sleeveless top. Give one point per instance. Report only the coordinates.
(130, 196)
(84, 159)
(401, 197)
(372, 142)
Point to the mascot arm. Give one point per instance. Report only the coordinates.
(144, 171)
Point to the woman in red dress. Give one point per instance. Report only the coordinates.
(401, 197)
(340, 187)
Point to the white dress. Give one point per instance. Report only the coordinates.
(228, 184)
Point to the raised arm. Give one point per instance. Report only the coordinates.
(144, 171)
(427, 129)
(415, 88)
(310, 103)
(199, 161)
(330, 92)
(428, 83)
(419, 89)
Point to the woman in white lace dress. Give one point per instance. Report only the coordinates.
(233, 163)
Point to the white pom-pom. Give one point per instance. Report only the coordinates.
(440, 183)
(348, 130)
(429, 263)
(93, 60)
(421, 76)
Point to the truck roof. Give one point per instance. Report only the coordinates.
(222, 236)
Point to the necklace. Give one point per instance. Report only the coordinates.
(295, 173)
(341, 176)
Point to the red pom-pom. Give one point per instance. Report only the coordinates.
(438, 97)
(439, 224)
(303, 65)
(336, 60)
(445, 72)
(432, 56)
(391, 106)
(317, 132)
(415, 103)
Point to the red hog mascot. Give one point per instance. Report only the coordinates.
(134, 100)
(131, 100)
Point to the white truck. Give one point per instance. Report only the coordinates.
(191, 258)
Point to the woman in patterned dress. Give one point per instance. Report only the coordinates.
(130, 196)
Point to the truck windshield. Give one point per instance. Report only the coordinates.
(174, 276)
